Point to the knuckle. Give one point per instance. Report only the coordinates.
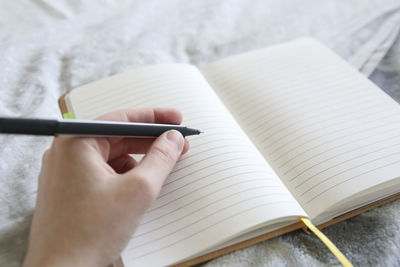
(146, 188)
(165, 153)
(60, 143)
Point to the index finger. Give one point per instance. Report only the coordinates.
(121, 145)
(149, 115)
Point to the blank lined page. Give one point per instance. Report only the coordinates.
(220, 188)
(326, 130)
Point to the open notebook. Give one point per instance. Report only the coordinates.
(290, 131)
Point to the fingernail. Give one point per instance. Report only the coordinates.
(176, 137)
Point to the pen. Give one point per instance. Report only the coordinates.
(88, 128)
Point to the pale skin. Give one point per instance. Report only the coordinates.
(92, 195)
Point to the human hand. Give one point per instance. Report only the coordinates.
(92, 195)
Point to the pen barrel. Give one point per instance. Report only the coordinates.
(88, 128)
(28, 126)
(126, 130)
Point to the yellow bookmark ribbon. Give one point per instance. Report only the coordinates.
(68, 115)
(339, 255)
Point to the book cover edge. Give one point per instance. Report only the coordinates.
(62, 105)
(284, 230)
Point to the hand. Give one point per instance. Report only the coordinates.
(92, 195)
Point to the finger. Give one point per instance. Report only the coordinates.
(152, 170)
(147, 115)
(123, 163)
(186, 147)
(150, 115)
(136, 146)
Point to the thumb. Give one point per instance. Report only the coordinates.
(159, 161)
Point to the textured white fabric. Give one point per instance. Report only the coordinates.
(49, 47)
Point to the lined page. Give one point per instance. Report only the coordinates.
(220, 188)
(327, 131)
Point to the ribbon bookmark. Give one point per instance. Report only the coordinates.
(339, 255)
(68, 115)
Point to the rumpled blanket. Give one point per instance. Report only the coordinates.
(49, 47)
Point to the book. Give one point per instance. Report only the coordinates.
(290, 131)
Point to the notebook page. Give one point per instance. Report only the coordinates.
(327, 131)
(220, 188)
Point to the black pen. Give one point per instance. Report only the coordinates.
(88, 128)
